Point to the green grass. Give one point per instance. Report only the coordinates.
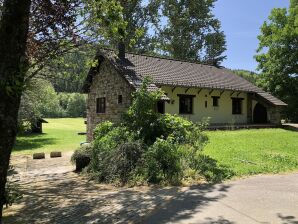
(248, 152)
(245, 152)
(59, 135)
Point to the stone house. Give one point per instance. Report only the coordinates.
(192, 90)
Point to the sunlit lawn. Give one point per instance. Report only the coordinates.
(245, 152)
(249, 152)
(58, 135)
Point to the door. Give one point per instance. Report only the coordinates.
(260, 114)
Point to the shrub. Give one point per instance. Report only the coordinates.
(107, 152)
(125, 159)
(141, 116)
(147, 146)
(163, 161)
(102, 129)
(82, 157)
(175, 126)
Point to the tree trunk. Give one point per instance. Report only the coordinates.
(13, 66)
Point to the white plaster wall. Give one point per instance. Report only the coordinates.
(220, 114)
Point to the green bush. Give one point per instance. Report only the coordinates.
(109, 152)
(141, 116)
(163, 161)
(102, 129)
(148, 147)
(82, 157)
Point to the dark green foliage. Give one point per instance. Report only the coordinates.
(141, 117)
(110, 154)
(163, 160)
(67, 73)
(277, 56)
(40, 100)
(126, 158)
(248, 75)
(76, 104)
(81, 157)
(103, 129)
(113, 21)
(148, 147)
(191, 31)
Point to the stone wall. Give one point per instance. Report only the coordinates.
(107, 83)
(274, 115)
(273, 112)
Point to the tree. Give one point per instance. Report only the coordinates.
(14, 26)
(278, 56)
(114, 21)
(191, 32)
(248, 75)
(31, 32)
(68, 72)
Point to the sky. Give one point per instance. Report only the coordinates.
(241, 21)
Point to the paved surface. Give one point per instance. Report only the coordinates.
(55, 194)
(291, 126)
(260, 199)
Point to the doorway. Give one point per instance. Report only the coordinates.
(161, 106)
(260, 114)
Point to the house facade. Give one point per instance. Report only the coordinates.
(192, 90)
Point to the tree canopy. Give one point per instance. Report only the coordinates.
(188, 30)
(278, 56)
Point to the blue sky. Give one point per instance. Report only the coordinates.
(241, 21)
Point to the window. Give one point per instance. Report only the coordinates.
(161, 107)
(237, 105)
(215, 101)
(101, 105)
(185, 104)
(119, 99)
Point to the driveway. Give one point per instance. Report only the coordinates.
(53, 193)
(259, 199)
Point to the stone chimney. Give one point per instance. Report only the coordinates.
(121, 50)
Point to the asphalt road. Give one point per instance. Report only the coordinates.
(259, 199)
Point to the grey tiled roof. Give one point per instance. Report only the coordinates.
(181, 73)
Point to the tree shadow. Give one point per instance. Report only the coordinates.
(70, 198)
(212, 171)
(188, 203)
(288, 219)
(32, 141)
(219, 220)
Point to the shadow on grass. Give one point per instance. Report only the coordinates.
(212, 171)
(32, 141)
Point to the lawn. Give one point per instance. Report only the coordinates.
(59, 135)
(245, 152)
(248, 152)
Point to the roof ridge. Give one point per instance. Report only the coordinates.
(163, 57)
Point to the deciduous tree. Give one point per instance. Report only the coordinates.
(188, 30)
(14, 26)
(31, 32)
(278, 56)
